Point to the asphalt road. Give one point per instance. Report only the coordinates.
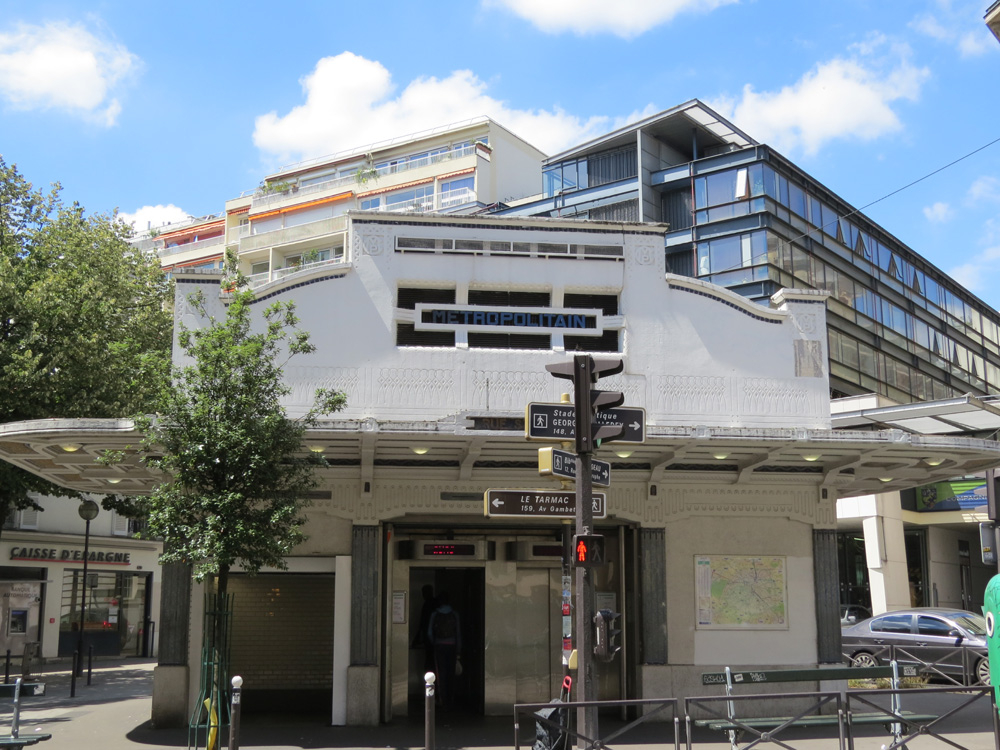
(113, 714)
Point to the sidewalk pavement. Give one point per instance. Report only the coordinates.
(113, 714)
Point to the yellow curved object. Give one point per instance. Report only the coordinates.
(213, 725)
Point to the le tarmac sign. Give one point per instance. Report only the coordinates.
(556, 504)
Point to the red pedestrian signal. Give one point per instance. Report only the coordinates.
(588, 550)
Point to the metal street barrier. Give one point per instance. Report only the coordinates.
(652, 713)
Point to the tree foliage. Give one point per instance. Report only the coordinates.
(238, 473)
(85, 325)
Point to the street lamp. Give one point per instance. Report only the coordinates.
(88, 511)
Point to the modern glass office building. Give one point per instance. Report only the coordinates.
(742, 216)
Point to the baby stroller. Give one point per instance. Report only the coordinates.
(551, 728)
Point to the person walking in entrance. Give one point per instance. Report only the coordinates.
(445, 634)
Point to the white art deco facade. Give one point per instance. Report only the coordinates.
(438, 329)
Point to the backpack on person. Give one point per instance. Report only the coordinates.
(445, 627)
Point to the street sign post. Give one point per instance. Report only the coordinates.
(554, 462)
(539, 503)
(557, 422)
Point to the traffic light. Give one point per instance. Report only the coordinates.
(605, 634)
(588, 550)
(584, 371)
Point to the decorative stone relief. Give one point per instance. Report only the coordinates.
(344, 502)
(644, 255)
(304, 381)
(627, 502)
(508, 391)
(808, 323)
(396, 498)
(182, 301)
(809, 361)
(370, 241)
(771, 397)
(678, 502)
(692, 394)
(398, 386)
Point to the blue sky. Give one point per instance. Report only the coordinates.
(166, 109)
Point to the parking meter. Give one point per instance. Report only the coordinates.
(991, 610)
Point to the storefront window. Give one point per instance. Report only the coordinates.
(114, 612)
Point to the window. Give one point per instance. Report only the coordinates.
(260, 267)
(371, 204)
(416, 199)
(458, 191)
(406, 333)
(933, 626)
(735, 251)
(892, 624)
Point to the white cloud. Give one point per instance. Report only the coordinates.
(981, 272)
(624, 18)
(64, 66)
(351, 101)
(963, 30)
(939, 212)
(150, 217)
(985, 189)
(844, 98)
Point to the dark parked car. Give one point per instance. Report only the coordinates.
(852, 613)
(951, 641)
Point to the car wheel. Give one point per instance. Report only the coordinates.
(983, 671)
(864, 659)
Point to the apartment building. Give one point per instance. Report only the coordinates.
(296, 218)
(993, 19)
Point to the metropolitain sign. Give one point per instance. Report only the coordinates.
(579, 322)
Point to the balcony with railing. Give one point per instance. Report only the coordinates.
(192, 247)
(371, 148)
(190, 221)
(260, 280)
(383, 176)
(288, 235)
(427, 204)
(302, 192)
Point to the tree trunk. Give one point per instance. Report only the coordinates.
(221, 590)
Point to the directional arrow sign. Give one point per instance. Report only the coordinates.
(557, 422)
(539, 503)
(552, 461)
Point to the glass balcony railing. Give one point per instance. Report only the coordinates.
(427, 203)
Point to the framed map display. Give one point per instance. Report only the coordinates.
(741, 592)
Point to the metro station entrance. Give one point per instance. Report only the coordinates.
(464, 588)
(507, 591)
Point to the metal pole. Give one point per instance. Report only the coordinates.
(234, 714)
(586, 718)
(6, 671)
(72, 675)
(15, 720)
(83, 599)
(90, 662)
(583, 621)
(429, 710)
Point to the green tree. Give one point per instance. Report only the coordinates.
(85, 324)
(238, 475)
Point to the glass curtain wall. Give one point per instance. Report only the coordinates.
(808, 247)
